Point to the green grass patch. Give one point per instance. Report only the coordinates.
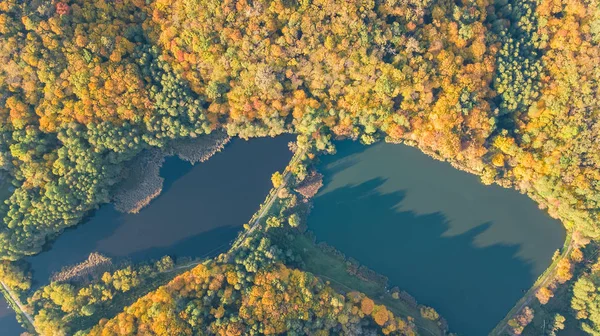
(333, 268)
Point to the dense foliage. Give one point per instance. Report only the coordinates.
(506, 90)
(82, 92)
(63, 307)
(225, 300)
(586, 301)
(15, 276)
(248, 291)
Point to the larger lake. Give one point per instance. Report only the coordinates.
(466, 249)
(200, 211)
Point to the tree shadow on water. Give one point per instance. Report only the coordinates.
(349, 151)
(172, 170)
(203, 245)
(472, 287)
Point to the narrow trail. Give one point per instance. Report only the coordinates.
(16, 300)
(253, 223)
(525, 300)
(267, 206)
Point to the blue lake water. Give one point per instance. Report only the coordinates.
(199, 212)
(466, 249)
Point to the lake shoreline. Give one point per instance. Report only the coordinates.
(190, 218)
(142, 182)
(434, 231)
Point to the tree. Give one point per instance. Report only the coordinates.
(88, 310)
(277, 179)
(577, 255)
(558, 323)
(521, 320)
(367, 305)
(273, 222)
(294, 220)
(15, 276)
(380, 315)
(564, 271)
(544, 295)
(429, 313)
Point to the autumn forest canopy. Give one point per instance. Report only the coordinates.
(507, 90)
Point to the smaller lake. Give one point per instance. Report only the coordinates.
(464, 248)
(199, 212)
(8, 320)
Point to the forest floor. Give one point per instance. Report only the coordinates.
(333, 268)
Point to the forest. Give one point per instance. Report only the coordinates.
(505, 90)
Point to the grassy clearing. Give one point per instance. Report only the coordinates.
(333, 268)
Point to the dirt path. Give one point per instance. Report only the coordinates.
(268, 205)
(253, 224)
(525, 300)
(16, 300)
(265, 208)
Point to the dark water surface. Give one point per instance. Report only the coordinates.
(8, 321)
(199, 212)
(466, 249)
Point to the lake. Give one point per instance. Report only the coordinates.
(8, 320)
(464, 248)
(199, 212)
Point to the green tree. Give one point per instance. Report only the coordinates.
(277, 179)
(294, 220)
